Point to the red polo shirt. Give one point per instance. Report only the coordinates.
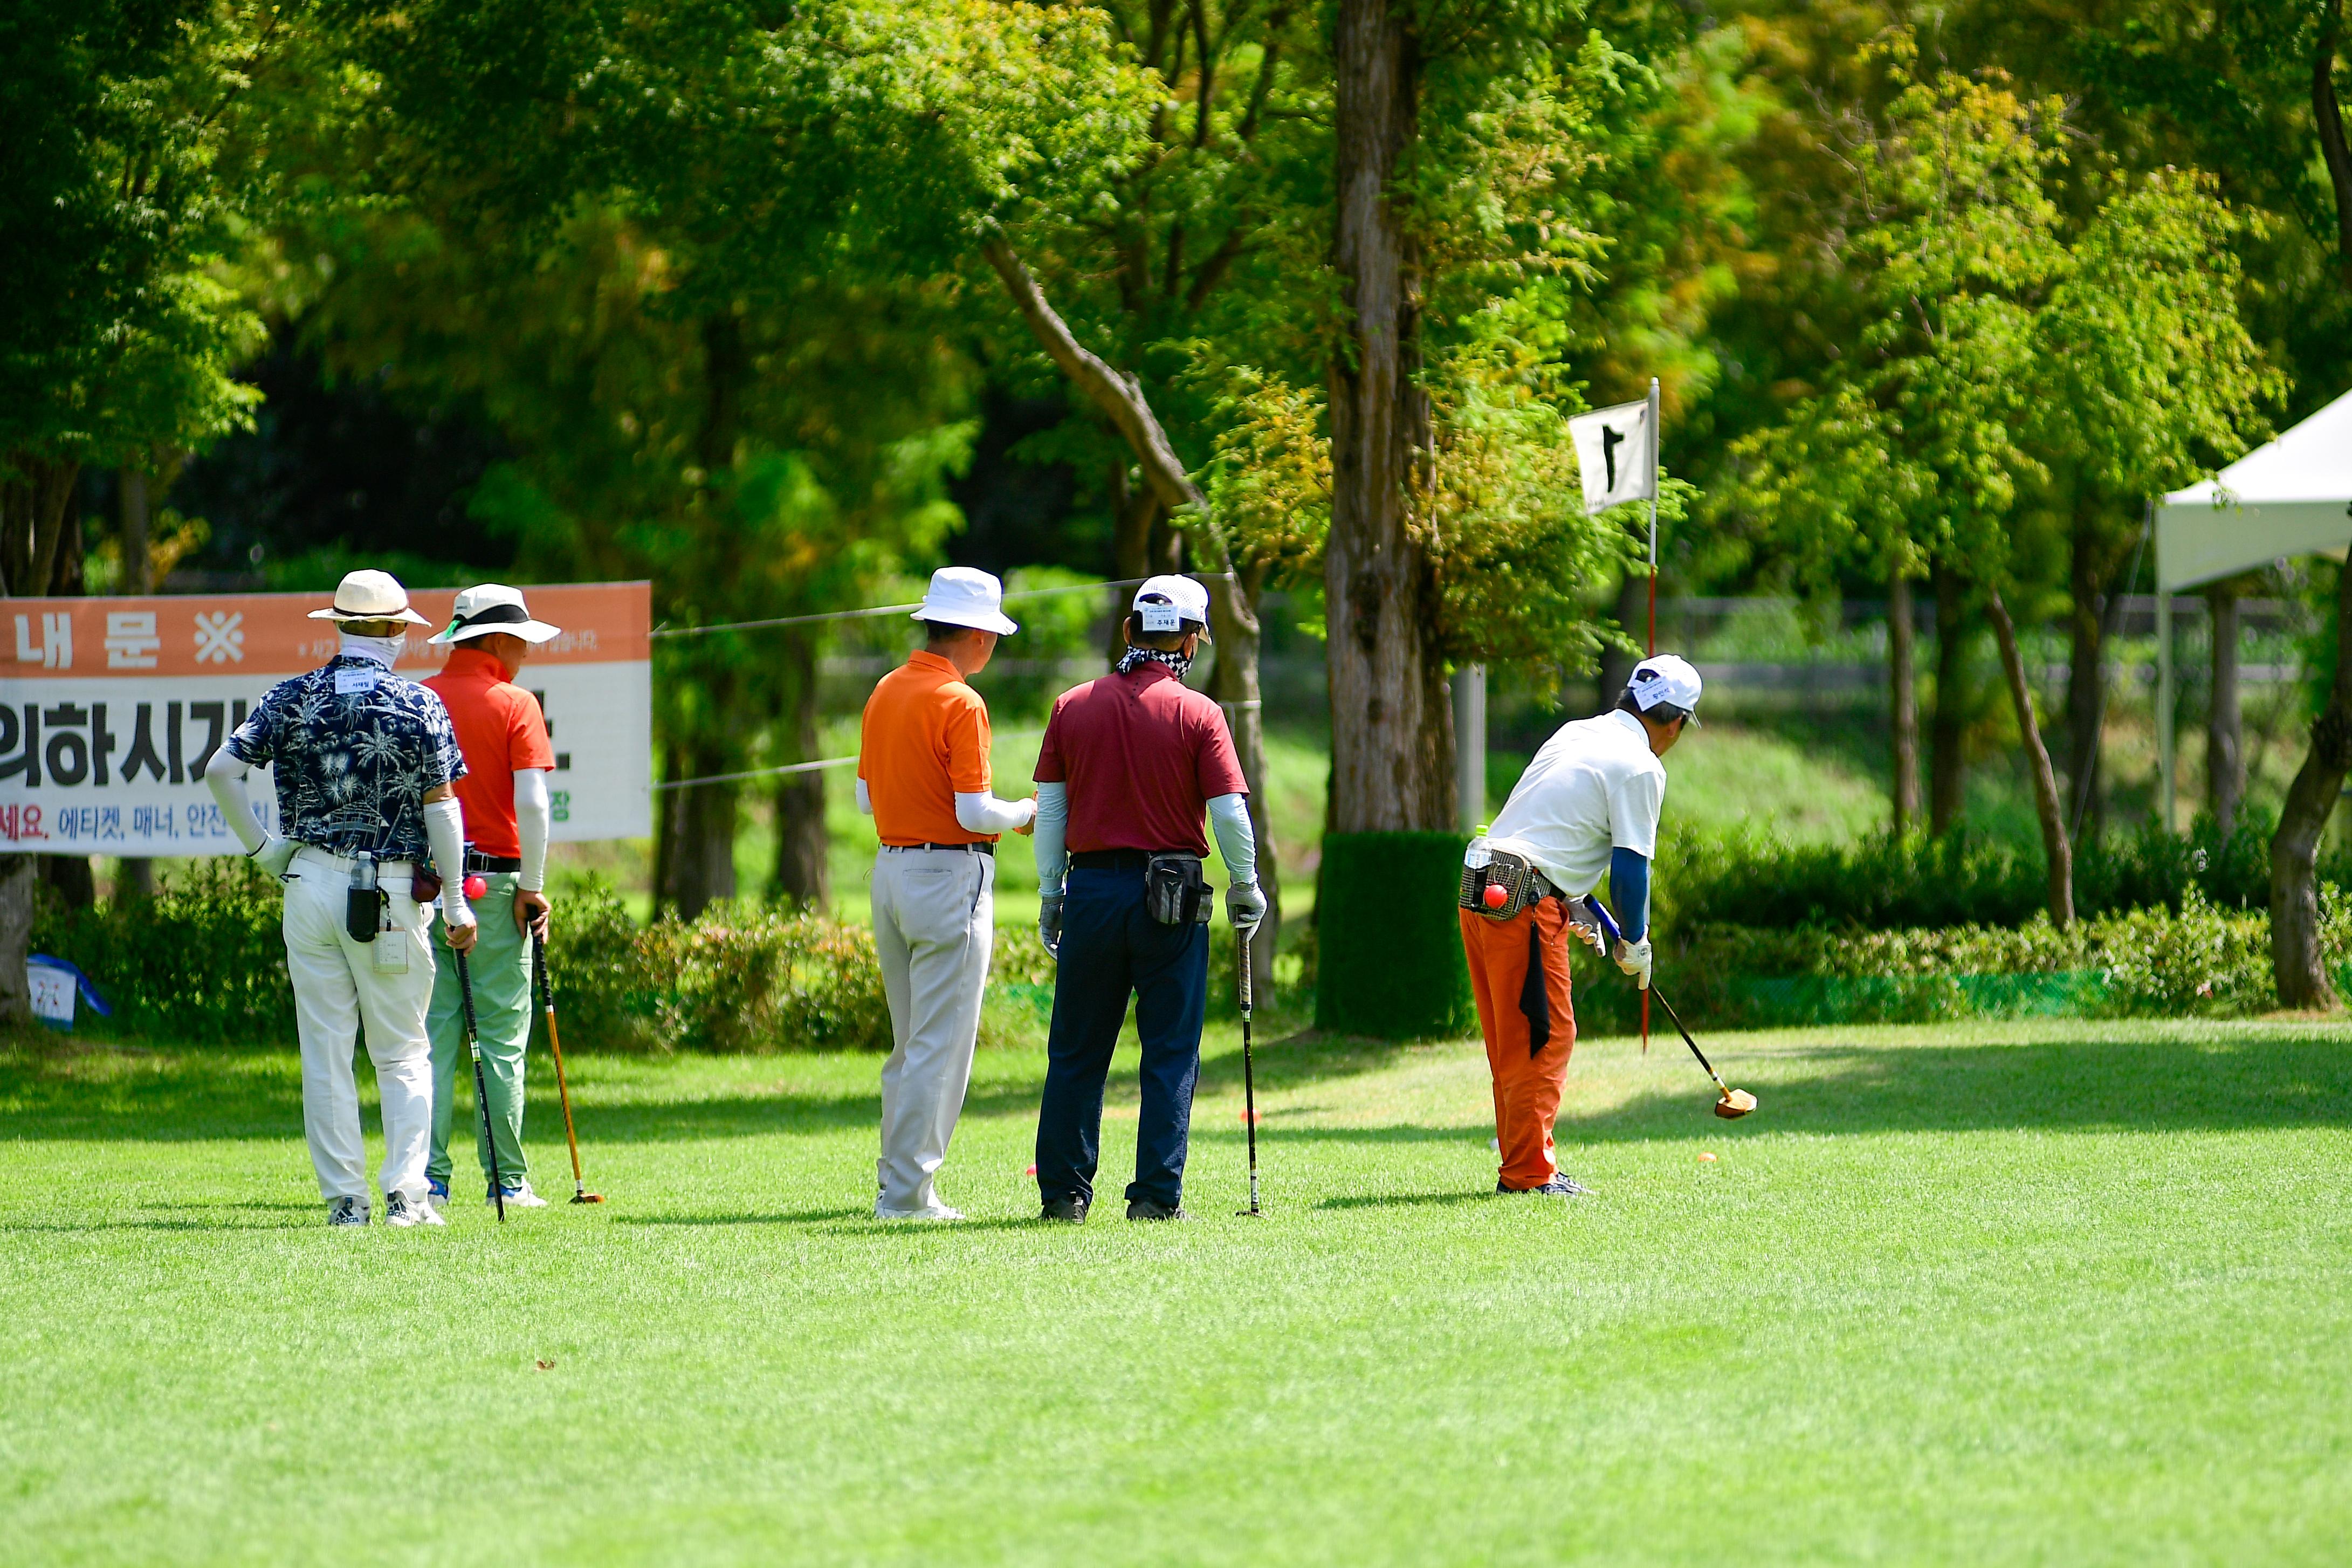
(501, 731)
(1143, 754)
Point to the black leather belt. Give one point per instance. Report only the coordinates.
(959, 848)
(1118, 859)
(476, 862)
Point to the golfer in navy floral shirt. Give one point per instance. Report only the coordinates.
(365, 761)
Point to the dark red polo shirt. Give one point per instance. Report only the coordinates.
(1143, 754)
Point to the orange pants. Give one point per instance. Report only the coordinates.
(1518, 971)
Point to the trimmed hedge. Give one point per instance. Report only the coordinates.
(2203, 961)
(1388, 942)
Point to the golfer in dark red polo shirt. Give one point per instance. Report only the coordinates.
(1131, 764)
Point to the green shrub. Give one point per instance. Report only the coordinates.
(1389, 944)
(2202, 962)
(203, 962)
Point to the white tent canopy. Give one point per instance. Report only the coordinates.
(2293, 497)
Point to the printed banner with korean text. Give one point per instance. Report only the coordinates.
(109, 707)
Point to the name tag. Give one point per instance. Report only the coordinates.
(350, 680)
(1161, 618)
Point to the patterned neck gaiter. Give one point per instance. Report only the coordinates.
(1135, 657)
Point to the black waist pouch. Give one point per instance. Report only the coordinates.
(1175, 890)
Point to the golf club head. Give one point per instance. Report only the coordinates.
(1735, 1104)
(587, 1197)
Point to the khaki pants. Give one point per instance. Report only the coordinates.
(341, 985)
(934, 922)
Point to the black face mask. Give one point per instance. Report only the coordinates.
(1135, 657)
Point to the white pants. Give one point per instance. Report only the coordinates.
(339, 984)
(934, 922)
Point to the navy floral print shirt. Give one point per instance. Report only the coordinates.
(356, 748)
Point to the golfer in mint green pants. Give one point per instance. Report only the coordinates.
(500, 967)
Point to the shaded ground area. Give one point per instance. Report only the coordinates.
(2028, 1292)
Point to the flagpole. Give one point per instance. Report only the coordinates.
(1653, 521)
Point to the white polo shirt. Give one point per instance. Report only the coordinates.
(1594, 787)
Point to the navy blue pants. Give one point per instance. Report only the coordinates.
(1111, 947)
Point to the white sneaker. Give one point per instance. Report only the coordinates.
(937, 1211)
(519, 1196)
(399, 1211)
(347, 1211)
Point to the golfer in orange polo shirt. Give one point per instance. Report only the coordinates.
(922, 775)
(504, 793)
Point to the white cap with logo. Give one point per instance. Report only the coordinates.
(1165, 603)
(965, 597)
(1665, 679)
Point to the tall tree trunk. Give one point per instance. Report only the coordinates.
(668, 807)
(2046, 804)
(801, 842)
(1903, 701)
(2086, 628)
(1232, 606)
(2329, 116)
(19, 880)
(703, 873)
(1391, 742)
(2225, 760)
(1616, 663)
(137, 876)
(1946, 769)
(2296, 961)
(71, 875)
(1134, 515)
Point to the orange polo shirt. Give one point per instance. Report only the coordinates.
(923, 742)
(502, 732)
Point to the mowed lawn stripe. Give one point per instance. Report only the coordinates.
(2021, 1293)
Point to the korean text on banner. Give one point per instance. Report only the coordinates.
(111, 708)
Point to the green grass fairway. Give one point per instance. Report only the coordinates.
(2047, 1292)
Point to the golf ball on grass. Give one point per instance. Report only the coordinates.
(1706, 1157)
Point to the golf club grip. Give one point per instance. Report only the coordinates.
(1245, 966)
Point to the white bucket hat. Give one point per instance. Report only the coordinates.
(1665, 679)
(369, 595)
(1172, 601)
(965, 597)
(493, 607)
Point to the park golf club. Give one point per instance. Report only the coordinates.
(481, 1083)
(1735, 1102)
(580, 1192)
(1249, 1076)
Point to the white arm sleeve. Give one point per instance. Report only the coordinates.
(983, 813)
(1053, 826)
(1229, 817)
(534, 817)
(445, 829)
(224, 776)
(865, 799)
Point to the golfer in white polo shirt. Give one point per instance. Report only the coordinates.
(1588, 806)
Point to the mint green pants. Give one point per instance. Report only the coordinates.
(500, 964)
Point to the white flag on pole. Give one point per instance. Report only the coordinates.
(1613, 449)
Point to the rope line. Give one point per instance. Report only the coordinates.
(873, 610)
(807, 767)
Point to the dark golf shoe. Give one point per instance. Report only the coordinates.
(1561, 1185)
(1064, 1211)
(1146, 1208)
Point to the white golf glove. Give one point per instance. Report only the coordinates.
(1633, 958)
(1049, 924)
(1586, 925)
(275, 855)
(1244, 905)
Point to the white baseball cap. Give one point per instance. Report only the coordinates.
(1667, 678)
(492, 608)
(369, 595)
(965, 597)
(1170, 601)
